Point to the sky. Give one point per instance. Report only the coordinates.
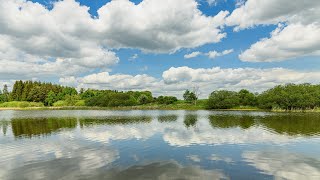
(163, 46)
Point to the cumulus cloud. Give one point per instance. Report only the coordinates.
(192, 55)
(27, 70)
(287, 42)
(37, 42)
(104, 80)
(210, 54)
(175, 80)
(297, 35)
(57, 41)
(260, 12)
(158, 26)
(214, 54)
(237, 78)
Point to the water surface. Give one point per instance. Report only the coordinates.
(159, 145)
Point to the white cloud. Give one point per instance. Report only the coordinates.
(34, 38)
(294, 40)
(261, 12)
(133, 57)
(192, 55)
(214, 54)
(69, 81)
(8, 83)
(212, 2)
(210, 54)
(235, 79)
(177, 79)
(240, 3)
(28, 70)
(104, 80)
(35, 41)
(158, 26)
(297, 35)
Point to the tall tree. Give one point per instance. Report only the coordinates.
(5, 93)
(189, 96)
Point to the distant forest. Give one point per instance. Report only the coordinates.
(286, 97)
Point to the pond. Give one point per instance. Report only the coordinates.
(90, 144)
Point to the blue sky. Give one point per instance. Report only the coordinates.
(239, 41)
(144, 46)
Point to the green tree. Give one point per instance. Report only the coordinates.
(189, 96)
(71, 100)
(246, 98)
(290, 97)
(51, 98)
(5, 93)
(143, 99)
(1, 97)
(223, 100)
(166, 100)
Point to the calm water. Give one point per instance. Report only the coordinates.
(158, 145)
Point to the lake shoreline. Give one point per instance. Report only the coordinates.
(128, 108)
(121, 108)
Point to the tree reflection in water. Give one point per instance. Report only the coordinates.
(228, 121)
(30, 127)
(114, 120)
(190, 120)
(167, 118)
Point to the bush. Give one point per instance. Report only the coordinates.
(189, 97)
(21, 104)
(166, 99)
(60, 103)
(65, 103)
(291, 97)
(143, 99)
(80, 103)
(223, 100)
(112, 99)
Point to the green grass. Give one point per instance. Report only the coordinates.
(179, 105)
(21, 104)
(80, 103)
(61, 103)
(245, 108)
(317, 109)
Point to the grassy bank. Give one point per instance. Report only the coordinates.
(179, 105)
(79, 105)
(21, 104)
(295, 110)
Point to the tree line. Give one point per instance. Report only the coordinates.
(50, 94)
(34, 91)
(286, 97)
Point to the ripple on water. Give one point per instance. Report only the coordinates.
(136, 144)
